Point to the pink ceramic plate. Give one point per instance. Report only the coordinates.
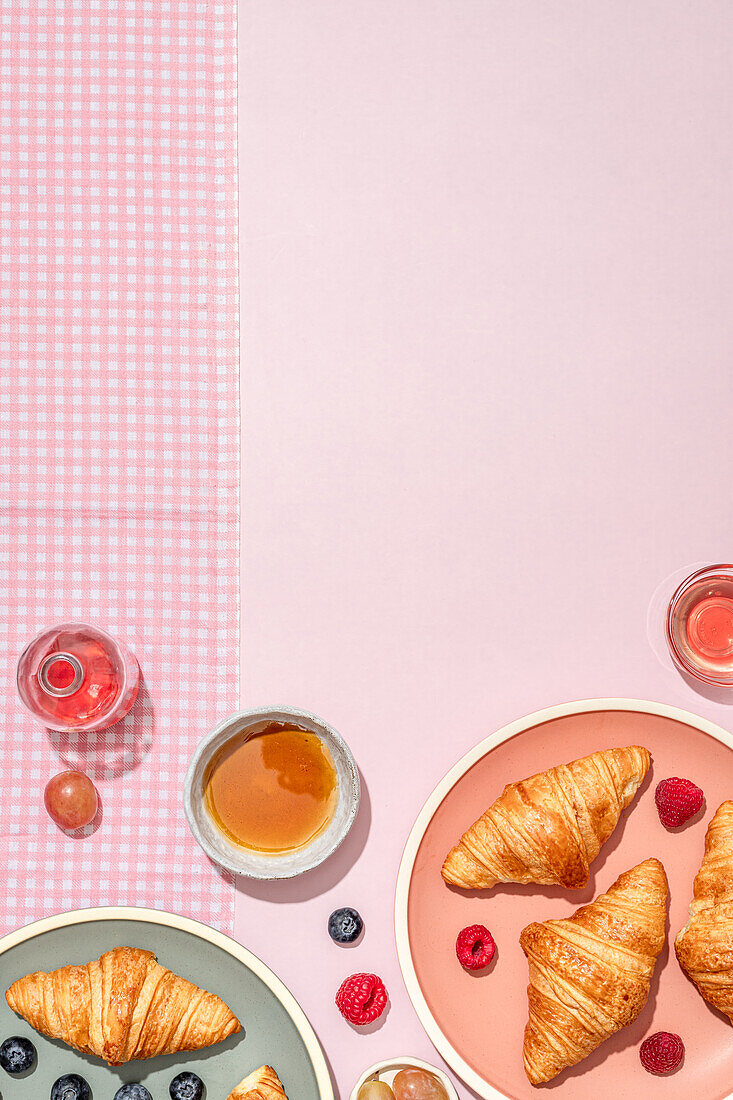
(477, 1020)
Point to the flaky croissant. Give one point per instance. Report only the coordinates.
(548, 829)
(704, 947)
(589, 975)
(262, 1084)
(121, 1007)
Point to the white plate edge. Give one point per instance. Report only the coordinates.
(404, 874)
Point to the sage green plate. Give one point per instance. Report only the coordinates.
(275, 1030)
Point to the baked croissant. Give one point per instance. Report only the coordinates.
(121, 1007)
(589, 975)
(262, 1084)
(548, 829)
(704, 947)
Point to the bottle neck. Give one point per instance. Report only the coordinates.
(60, 674)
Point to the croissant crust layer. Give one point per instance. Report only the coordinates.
(121, 1007)
(589, 974)
(704, 948)
(262, 1084)
(549, 828)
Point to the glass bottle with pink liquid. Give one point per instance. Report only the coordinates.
(76, 677)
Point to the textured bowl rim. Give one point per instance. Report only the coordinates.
(253, 715)
(203, 932)
(404, 955)
(405, 1060)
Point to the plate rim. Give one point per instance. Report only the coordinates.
(404, 875)
(203, 932)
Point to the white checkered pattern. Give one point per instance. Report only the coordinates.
(118, 424)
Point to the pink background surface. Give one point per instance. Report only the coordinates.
(486, 283)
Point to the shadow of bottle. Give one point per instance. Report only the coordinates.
(115, 751)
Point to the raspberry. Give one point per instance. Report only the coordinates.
(677, 801)
(475, 947)
(662, 1053)
(361, 999)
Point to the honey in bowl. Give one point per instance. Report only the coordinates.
(272, 791)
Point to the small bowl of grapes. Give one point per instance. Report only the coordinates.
(403, 1079)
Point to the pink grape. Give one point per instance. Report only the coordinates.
(413, 1083)
(71, 800)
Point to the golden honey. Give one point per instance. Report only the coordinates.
(272, 791)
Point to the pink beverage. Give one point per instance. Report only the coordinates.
(700, 625)
(75, 677)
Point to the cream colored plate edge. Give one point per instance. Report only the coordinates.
(404, 955)
(219, 939)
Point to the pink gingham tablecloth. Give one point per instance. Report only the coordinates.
(118, 425)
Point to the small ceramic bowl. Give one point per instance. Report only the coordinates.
(241, 861)
(386, 1071)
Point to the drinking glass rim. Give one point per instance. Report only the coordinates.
(678, 657)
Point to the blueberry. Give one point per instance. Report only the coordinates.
(186, 1086)
(345, 925)
(17, 1054)
(70, 1087)
(133, 1092)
